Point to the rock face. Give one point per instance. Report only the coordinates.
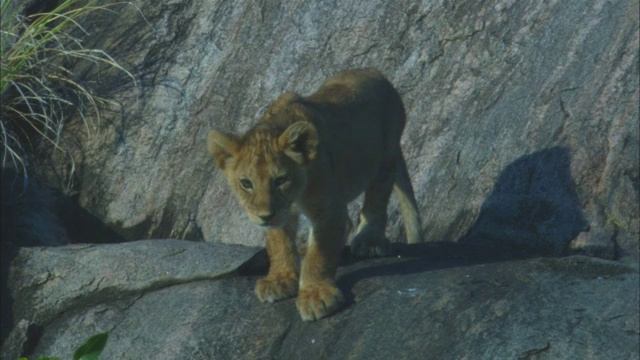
(523, 116)
(45, 283)
(166, 299)
(522, 139)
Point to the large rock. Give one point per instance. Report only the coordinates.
(113, 271)
(45, 283)
(522, 139)
(170, 300)
(523, 116)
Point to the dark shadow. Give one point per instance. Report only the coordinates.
(533, 211)
(405, 259)
(33, 214)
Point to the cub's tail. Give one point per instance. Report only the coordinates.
(407, 200)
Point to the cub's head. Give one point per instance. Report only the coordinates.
(266, 167)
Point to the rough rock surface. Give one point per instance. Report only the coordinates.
(46, 283)
(131, 268)
(522, 139)
(184, 300)
(523, 115)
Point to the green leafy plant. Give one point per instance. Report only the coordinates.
(90, 350)
(38, 91)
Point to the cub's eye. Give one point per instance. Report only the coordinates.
(246, 184)
(280, 180)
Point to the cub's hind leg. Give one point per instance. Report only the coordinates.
(370, 237)
(282, 280)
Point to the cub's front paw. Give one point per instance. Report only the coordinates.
(276, 287)
(318, 300)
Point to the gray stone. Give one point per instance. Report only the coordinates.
(407, 308)
(46, 282)
(14, 345)
(522, 137)
(522, 116)
(596, 242)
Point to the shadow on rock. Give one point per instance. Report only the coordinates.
(406, 259)
(534, 209)
(34, 214)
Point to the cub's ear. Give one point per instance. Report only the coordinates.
(300, 142)
(222, 147)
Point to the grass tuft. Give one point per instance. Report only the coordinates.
(38, 90)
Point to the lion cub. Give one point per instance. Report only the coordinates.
(313, 155)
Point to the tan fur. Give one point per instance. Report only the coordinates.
(313, 155)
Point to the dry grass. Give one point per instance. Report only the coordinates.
(38, 91)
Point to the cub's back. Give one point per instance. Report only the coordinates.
(361, 119)
(359, 87)
(359, 107)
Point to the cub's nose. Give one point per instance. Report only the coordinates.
(267, 217)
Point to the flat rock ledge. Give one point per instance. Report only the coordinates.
(168, 299)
